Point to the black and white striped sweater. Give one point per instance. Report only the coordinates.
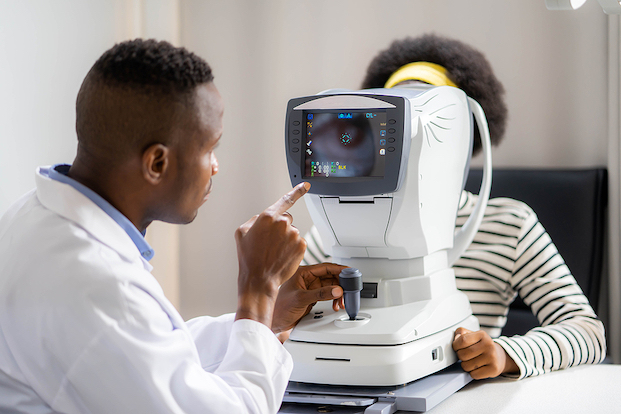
(512, 254)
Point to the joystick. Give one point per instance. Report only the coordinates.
(350, 280)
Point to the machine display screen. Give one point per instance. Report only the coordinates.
(348, 143)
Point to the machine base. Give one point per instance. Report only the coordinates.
(418, 396)
(370, 365)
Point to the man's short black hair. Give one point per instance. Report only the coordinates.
(134, 95)
(152, 64)
(466, 66)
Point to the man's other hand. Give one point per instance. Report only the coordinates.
(308, 285)
(480, 355)
(269, 250)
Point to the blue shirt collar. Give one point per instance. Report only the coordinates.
(59, 172)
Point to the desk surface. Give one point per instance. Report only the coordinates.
(582, 389)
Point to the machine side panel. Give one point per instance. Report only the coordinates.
(438, 154)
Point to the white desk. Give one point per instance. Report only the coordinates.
(585, 389)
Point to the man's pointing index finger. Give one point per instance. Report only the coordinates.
(289, 199)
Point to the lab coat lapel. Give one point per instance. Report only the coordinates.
(69, 203)
(76, 207)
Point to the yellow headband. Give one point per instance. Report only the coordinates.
(422, 71)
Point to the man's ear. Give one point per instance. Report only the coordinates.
(155, 163)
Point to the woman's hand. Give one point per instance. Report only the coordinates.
(481, 356)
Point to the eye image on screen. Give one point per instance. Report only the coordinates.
(345, 144)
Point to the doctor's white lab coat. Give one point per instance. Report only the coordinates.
(85, 328)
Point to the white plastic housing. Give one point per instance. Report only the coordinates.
(404, 243)
(419, 218)
(394, 350)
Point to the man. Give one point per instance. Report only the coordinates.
(84, 327)
(512, 253)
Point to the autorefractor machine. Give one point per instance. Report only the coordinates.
(387, 169)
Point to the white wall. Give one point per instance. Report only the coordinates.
(46, 49)
(553, 66)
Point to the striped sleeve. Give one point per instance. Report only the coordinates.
(483, 272)
(570, 333)
(314, 249)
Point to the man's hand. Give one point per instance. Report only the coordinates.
(308, 285)
(481, 356)
(269, 250)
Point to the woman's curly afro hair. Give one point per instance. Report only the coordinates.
(466, 66)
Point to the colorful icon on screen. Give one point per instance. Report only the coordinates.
(309, 116)
(383, 132)
(382, 151)
(345, 138)
(382, 142)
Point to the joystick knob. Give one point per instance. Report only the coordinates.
(350, 280)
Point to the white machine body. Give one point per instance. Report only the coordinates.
(395, 222)
(436, 153)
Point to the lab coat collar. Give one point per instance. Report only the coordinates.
(69, 203)
(59, 172)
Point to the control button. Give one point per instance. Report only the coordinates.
(318, 316)
(295, 149)
(296, 132)
(392, 121)
(296, 123)
(392, 130)
(319, 313)
(391, 149)
(295, 141)
(391, 140)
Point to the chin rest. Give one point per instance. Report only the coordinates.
(571, 205)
